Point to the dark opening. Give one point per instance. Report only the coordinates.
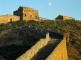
(10, 20)
(30, 15)
(36, 16)
(24, 14)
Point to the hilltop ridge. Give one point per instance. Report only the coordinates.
(72, 27)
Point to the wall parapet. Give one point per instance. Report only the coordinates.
(33, 50)
(60, 52)
(8, 18)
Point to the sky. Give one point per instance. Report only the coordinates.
(47, 8)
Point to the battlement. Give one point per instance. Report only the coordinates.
(28, 8)
(6, 15)
(23, 8)
(26, 13)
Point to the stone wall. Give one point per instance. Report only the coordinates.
(42, 19)
(60, 52)
(27, 13)
(62, 17)
(26, 36)
(33, 50)
(23, 13)
(8, 18)
(67, 18)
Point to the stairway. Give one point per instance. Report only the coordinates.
(46, 51)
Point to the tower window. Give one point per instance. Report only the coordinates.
(30, 15)
(25, 15)
(10, 20)
(36, 17)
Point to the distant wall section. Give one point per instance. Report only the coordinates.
(8, 18)
(62, 17)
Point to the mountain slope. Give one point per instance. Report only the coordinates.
(71, 27)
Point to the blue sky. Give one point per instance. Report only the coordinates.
(47, 8)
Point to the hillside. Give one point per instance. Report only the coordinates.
(71, 27)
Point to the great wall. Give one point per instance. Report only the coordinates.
(43, 44)
(23, 13)
(27, 14)
(49, 46)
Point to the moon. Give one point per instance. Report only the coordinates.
(49, 3)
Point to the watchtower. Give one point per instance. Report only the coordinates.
(27, 13)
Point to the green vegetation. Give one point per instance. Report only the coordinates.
(73, 27)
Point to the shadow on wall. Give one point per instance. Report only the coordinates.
(34, 49)
(60, 52)
(12, 52)
(56, 35)
(25, 36)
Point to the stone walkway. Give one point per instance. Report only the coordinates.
(45, 51)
